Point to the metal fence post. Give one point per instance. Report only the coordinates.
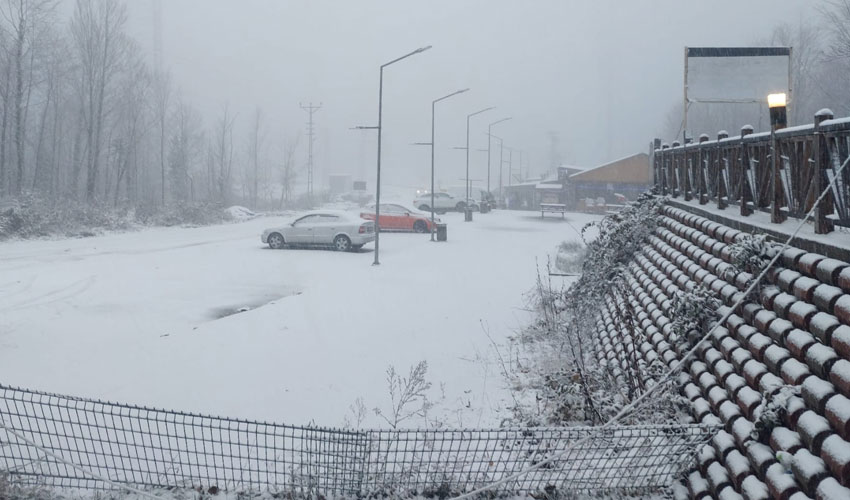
(720, 184)
(821, 163)
(742, 172)
(702, 170)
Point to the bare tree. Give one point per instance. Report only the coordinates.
(22, 20)
(806, 57)
(220, 157)
(288, 172)
(183, 147)
(255, 144)
(837, 17)
(101, 45)
(161, 98)
(5, 98)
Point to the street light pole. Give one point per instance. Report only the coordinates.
(510, 166)
(468, 117)
(433, 108)
(489, 136)
(378, 183)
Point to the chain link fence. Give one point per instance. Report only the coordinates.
(55, 441)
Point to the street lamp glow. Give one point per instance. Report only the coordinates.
(777, 100)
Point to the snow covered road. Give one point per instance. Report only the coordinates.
(148, 318)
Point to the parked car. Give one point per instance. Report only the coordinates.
(442, 202)
(330, 228)
(397, 217)
(478, 197)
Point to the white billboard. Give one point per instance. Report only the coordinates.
(736, 74)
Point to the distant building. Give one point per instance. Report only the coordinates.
(628, 176)
(339, 183)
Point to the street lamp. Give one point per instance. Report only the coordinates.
(778, 120)
(433, 108)
(468, 117)
(380, 116)
(489, 132)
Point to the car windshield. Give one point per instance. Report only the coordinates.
(455, 249)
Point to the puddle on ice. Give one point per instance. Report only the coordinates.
(248, 305)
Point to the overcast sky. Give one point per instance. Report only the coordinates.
(599, 74)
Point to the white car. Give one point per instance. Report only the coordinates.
(341, 230)
(442, 202)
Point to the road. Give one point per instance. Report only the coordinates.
(209, 320)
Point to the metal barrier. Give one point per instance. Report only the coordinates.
(57, 441)
(739, 171)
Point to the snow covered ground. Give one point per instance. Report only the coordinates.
(148, 318)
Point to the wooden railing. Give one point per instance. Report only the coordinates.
(740, 171)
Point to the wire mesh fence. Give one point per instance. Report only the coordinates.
(58, 441)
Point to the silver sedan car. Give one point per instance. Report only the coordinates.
(342, 231)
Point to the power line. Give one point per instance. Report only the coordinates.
(311, 136)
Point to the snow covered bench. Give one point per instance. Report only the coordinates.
(558, 208)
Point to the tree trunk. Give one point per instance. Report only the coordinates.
(19, 103)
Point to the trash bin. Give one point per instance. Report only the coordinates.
(442, 232)
(467, 214)
(485, 207)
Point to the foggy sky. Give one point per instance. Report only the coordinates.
(601, 74)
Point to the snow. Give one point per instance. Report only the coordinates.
(761, 220)
(822, 326)
(838, 413)
(812, 426)
(830, 489)
(240, 213)
(148, 317)
(785, 439)
(816, 392)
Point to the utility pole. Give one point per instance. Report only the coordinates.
(510, 166)
(311, 135)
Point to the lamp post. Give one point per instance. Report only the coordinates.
(501, 162)
(433, 108)
(468, 117)
(778, 120)
(378, 182)
(489, 135)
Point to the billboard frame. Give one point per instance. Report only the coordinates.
(729, 52)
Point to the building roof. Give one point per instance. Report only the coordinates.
(629, 170)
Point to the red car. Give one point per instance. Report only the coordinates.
(395, 217)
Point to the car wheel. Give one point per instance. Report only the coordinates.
(342, 243)
(424, 207)
(420, 227)
(461, 206)
(275, 241)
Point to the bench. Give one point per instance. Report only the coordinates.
(556, 208)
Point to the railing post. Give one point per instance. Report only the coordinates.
(821, 163)
(687, 169)
(743, 182)
(665, 181)
(675, 170)
(776, 215)
(721, 186)
(656, 160)
(702, 171)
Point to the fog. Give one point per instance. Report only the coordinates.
(598, 76)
